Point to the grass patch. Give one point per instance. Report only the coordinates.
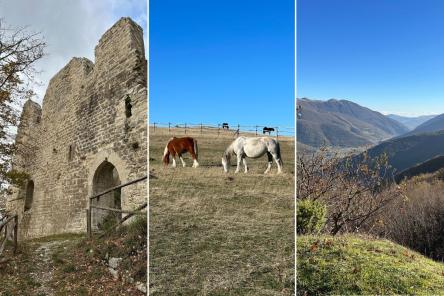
(345, 265)
(220, 234)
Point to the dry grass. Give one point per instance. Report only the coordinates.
(220, 234)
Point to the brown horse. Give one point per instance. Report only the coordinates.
(179, 146)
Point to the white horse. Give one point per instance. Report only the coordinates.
(244, 147)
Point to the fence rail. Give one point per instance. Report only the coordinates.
(5, 222)
(220, 128)
(129, 212)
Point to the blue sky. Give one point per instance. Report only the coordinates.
(387, 55)
(222, 61)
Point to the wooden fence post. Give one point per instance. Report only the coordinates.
(15, 233)
(185, 128)
(201, 128)
(169, 127)
(154, 125)
(277, 133)
(88, 222)
(218, 129)
(256, 130)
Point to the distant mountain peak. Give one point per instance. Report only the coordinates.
(339, 122)
(411, 122)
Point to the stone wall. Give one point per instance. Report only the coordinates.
(94, 115)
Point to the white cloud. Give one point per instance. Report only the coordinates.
(71, 28)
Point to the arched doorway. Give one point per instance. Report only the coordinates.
(29, 195)
(106, 177)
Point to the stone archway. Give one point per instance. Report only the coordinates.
(105, 177)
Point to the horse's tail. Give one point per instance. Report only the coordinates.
(166, 155)
(278, 152)
(195, 148)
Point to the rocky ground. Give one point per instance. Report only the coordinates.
(74, 265)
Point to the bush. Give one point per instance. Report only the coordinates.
(354, 188)
(310, 216)
(417, 221)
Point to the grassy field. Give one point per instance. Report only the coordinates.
(353, 265)
(220, 234)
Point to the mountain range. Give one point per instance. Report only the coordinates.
(410, 122)
(343, 123)
(433, 125)
(412, 145)
(409, 151)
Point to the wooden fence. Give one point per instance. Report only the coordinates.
(220, 129)
(6, 222)
(98, 195)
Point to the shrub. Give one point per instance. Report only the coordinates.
(417, 221)
(310, 216)
(354, 188)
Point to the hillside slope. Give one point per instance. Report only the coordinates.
(343, 123)
(406, 152)
(433, 125)
(410, 122)
(427, 167)
(352, 265)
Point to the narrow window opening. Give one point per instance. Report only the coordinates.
(70, 153)
(128, 106)
(29, 195)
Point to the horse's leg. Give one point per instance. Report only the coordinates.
(270, 161)
(195, 163)
(173, 156)
(278, 162)
(181, 159)
(245, 164)
(239, 159)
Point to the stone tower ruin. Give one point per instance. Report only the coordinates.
(89, 135)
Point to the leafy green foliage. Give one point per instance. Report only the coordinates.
(310, 216)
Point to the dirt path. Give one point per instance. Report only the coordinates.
(45, 266)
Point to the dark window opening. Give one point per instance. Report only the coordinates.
(29, 195)
(70, 153)
(128, 106)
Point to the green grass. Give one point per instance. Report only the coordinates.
(346, 265)
(220, 234)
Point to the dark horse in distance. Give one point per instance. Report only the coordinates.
(267, 130)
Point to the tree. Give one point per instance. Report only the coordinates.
(354, 189)
(19, 51)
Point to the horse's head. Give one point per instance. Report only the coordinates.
(226, 161)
